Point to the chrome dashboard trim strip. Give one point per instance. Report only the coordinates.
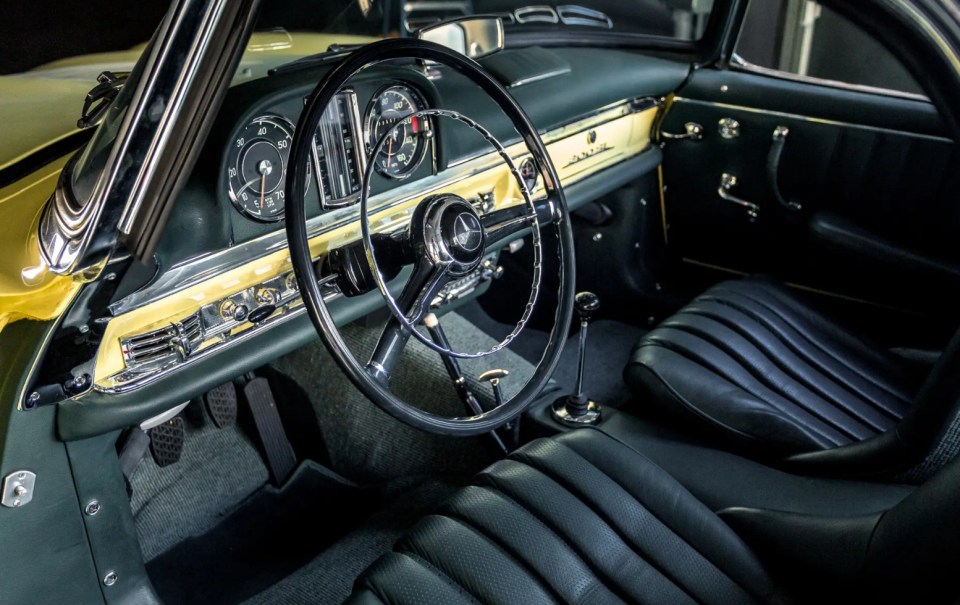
(184, 275)
(812, 119)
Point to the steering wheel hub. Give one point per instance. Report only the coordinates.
(450, 233)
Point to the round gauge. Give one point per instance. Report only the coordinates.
(257, 167)
(391, 111)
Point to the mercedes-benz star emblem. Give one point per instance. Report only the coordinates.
(467, 232)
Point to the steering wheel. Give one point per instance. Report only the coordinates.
(447, 238)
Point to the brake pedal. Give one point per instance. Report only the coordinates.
(221, 404)
(166, 442)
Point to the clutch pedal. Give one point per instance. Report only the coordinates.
(166, 442)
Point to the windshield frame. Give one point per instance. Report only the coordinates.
(134, 172)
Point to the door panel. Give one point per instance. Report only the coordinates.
(873, 177)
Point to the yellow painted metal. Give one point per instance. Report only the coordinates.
(41, 106)
(618, 138)
(28, 290)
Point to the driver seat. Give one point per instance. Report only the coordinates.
(584, 518)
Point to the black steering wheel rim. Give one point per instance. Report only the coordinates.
(302, 260)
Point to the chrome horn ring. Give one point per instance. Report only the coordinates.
(438, 251)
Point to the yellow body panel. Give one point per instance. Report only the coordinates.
(28, 290)
(41, 106)
(617, 139)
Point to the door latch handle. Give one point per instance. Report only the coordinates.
(727, 183)
(773, 168)
(691, 130)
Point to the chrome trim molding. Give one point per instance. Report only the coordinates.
(741, 64)
(216, 338)
(560, 71)
(812, 119)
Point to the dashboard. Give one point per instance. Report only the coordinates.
(257, 158)
(224, 281)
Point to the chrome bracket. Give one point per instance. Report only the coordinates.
(691, 130)
(727, 183)
(18, 488)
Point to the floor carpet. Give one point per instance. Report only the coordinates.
(608, 348)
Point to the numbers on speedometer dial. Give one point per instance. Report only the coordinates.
(257, 167)
(391, 111)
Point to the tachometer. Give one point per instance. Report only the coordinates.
(257, 167)
(391, 111)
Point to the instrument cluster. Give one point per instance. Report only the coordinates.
(343, 142)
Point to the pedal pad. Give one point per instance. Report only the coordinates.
(221, 404)
(276, 447)
(166, 442)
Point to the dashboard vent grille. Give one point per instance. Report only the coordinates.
(163, 345)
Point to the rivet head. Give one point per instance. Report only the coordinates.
(92, 508)
(110, 579)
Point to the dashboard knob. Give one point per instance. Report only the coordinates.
(231, 311)
(267, 296)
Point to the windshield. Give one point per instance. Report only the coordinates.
(381, 18)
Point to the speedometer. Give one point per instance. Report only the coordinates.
(391, 111)
(257, 167)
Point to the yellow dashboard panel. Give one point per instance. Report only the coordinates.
(580, 149)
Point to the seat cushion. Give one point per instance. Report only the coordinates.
(752, 361)
(581, 518)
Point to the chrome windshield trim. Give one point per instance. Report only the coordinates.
(795, 116)
(195, 270)
(75, 235)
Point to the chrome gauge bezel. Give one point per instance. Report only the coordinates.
(420, 100)
(278, 121)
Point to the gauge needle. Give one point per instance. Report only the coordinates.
(390, 149)
(263, 188)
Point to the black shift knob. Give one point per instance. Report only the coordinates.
(587, 303)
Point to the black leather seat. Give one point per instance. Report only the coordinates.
(750, 361)
(584, 518)
(579, 519)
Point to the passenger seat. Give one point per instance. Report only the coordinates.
(751, 361)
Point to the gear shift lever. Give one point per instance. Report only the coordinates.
(576, 408)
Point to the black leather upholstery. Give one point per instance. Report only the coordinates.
(577, 519)
(751, 361)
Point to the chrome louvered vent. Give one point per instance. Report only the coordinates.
(157, 348)
(572, 14)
